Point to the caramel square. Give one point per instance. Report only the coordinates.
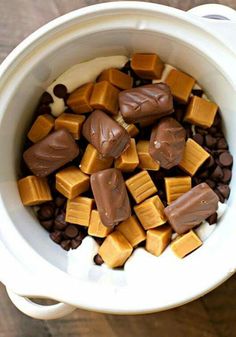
(115, 250)
(117, 78)
(71, 182)
(105, 97)
(78, 210)
(130, 128)
(147, 66)
(151, 212)
(141, 186)
(180, 85)
(42, 126)
(73, 123)
(96, 227)
(132, 230)
(34, 190)
(185, 244)
(194, 156)
(201, 112)
(146, 162)
(128, 160)
(158, 239)
(177, 186)
(92, 161)
(78, 100)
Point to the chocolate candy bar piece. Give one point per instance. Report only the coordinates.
(167, 142)
(111, 197)
(51, 153)
(149, 101)
(105, 134)
(192, 208)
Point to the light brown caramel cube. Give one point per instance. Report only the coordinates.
(158, 239)
(151, 212)
(177, 186)
(147, 66)
(34, 190)
(128, 160)
(41, 128)
(78, 210)
(141, 186)
(105, 97)
(132, 230)
(117, 78)
(194, 156)
(73, 123)
(92, 161)
(185, 244)
(115, 250)
(201, 112)
(71, 182)
(96, 228)
(130, 128)
(78, 100)
(146, 162)
(180, 85)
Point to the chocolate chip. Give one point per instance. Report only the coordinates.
(219, 134)
(226, 159)
(222, 144)
(71, 231)
(60, 201)
(217, 173)
(196, 180)
(198, 138)
(222, 199)
(46, 98)
(197, 92)
(46, 212)
(75, 243)
(224, 190)
(66, 244)
(60, 90)
(59, 222)
(204, 174)
(207, 149)
(98, 260)
(212, 219)
(56, 236)
(99, 241)
(47, 224)
(210, 141)
(202, 132)
(210, 183)
(210, 162)
(212, 130)
(227, 174)
(44, 109)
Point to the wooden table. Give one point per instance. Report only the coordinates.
(214, 315)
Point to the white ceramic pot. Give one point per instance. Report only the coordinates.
(31, 265)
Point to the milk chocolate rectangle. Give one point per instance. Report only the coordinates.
(111, 196)
(192, 208)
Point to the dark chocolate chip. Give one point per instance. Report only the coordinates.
(60, 201)
(71, 231)
(47, 224)
(212, 130)
(44, 109)
(56, 236)
(219, 134)
(60, 90)
(46, 98)
(207, 149)
(222, 144)
(224, 189)
(211, 183)
(222, 199)
(202, 132)
(225, 159)
(98, 260)
(210, 141)
(59, 222)
(99, 241)
(227, 174)
(217, 174)
(66, 244)
(198, 138)
(197, 92)
(204, 174)
(212, 219)
(217, 120)
(196, 180)
(210, 162)
(46, 212)
(75, 243)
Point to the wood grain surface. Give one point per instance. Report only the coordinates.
(214, 315)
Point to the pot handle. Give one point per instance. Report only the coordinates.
(214, 11)
(37, 311)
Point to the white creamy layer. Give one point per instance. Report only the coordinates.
(80, 74)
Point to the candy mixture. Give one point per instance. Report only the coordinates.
(129, 152)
